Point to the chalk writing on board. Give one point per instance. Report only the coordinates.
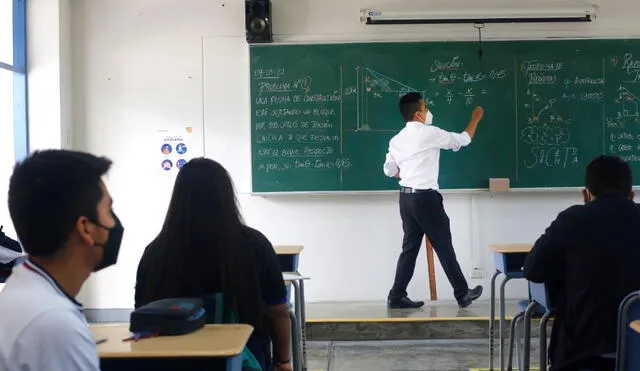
(591, 97)
(536, 79)
(271, 167)
(630, 158)
(629, 102)
(495, 74)
(553, 157)
(301, 164)
(631, 66)
(469, 95)
(548, 132)
(542, 110)
(545, 135)
(376, 89)
(319, 152)
(448, 65)
(269, 73)
(449, 78)
(293, 124)
(581, 81)
(297, 138)
(541, 73)
(301, 84)
(289, 112)
(614, 123)
(535, 66)
(449, 96)
(298, 99)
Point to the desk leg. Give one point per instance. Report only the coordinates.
(492, 319)
(298, 310)
(543, 340)
(234, 363)
(503, 322)
(512, 339)
(528, 313)
(303, 326)
(295, 343)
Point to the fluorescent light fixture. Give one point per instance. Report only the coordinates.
(564, 14)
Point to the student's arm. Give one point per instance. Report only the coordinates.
(546, 260)
(280, 330)
(57, 340)
(274, 294)
(390, 167)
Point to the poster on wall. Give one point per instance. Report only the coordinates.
(174, 148)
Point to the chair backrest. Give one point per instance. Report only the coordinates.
(214, 306)
(541, 295)
(628, 344)
(216, 314)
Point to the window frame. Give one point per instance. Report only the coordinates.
(19, 69)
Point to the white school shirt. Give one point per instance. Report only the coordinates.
(415, 153)
(41, 328)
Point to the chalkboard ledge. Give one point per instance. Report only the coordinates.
(394, 192)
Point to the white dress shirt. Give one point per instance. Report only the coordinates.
(41, 328)
(415, 153)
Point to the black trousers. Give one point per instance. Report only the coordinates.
(423, 214)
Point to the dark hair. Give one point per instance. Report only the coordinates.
(201, 247)
(608, 175)
(409, 105)
(49, 191)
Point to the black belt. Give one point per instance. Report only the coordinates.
(413, 190)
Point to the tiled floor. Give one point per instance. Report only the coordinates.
(424, 355)
(319, 312)
(328, 312)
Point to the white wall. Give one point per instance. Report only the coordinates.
(49, 73)
(141, 65)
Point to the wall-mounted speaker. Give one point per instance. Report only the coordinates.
(258, 21)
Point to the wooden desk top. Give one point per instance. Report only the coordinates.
(288, 249)
(210, 341)
(635, 325)
(511, 248)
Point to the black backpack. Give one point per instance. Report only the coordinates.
(176, 316)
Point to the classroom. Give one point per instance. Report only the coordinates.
(300, 116)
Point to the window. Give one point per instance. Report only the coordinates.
(6, 31)
(13, 95)
(13, 83)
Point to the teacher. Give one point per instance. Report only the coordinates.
(414, 158)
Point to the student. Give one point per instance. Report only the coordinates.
(205, 248)
(588, 258)
(61, 211)
(414, 158)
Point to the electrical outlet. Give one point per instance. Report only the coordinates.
(477, 273)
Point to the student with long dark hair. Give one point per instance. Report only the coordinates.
(204, 247)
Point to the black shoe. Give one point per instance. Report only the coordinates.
(472, 295)
(405, 302)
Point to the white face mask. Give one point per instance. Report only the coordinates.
(429, 119)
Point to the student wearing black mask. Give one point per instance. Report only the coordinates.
(62, 213)
(588, 259)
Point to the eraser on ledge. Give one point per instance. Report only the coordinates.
(499, 184)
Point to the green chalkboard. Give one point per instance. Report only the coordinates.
(322, 115)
